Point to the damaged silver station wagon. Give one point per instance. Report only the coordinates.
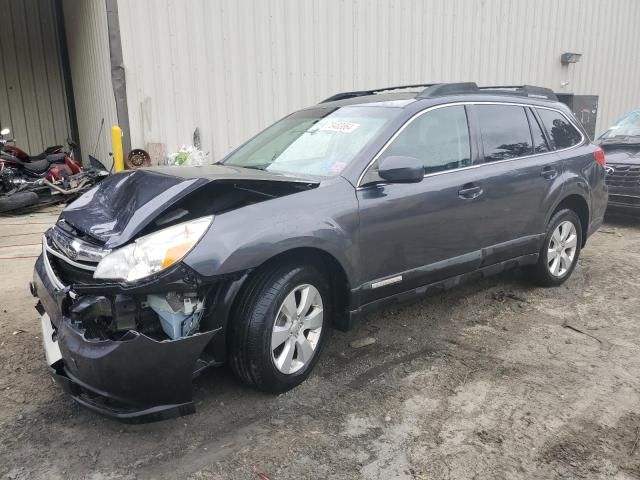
(365, 199)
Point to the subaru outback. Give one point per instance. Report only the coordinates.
(368, 198)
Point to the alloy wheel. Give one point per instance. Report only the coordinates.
(562, 249)
(296, 329)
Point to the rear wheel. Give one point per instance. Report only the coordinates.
(279, 328)
(17, 201)
(560, 250)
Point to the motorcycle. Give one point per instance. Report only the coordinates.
(24, 156)
(54, 178)
(17, 166)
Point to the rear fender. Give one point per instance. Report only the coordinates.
(574, 186)
(573, 190)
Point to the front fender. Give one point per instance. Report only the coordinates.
(324, 218)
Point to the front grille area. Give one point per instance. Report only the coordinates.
(623, 175)
(69, 270)
(69, 274)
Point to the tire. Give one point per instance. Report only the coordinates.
(18, 200)
(261, 310)
(547, 272)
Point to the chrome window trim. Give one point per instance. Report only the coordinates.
(444, 105)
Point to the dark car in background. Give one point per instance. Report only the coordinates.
(621, 142)
(365, 199)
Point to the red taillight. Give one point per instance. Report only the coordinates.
(598, 155)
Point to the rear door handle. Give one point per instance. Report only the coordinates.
(549, 173)
(470, 191)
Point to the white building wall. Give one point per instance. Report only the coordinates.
(33, 101)
(231, 67)
(88, 44)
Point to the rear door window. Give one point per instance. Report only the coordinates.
(560, 130)
(505, 132)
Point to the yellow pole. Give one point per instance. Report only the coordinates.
(118, 155)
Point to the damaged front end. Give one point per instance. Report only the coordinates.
(129, 352)
(127, 324)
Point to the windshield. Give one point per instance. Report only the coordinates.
(318, 142)
(627, 128)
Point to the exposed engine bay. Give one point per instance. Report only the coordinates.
(179, 313)
(165, 316)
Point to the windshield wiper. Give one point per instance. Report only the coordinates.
(263, 167)
(257, 166)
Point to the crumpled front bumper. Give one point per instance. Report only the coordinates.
(136, 378)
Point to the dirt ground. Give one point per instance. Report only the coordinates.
(494, 380)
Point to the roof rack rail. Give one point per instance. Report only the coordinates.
(361, 93)
(433, 90)
(524, 90)
(443, 89)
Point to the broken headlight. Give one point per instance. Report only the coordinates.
(153, 252)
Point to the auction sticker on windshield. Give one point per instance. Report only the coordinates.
(338, 126)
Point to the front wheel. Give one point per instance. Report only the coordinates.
(560, 250)
(279, 328)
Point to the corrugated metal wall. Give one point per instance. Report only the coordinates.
(88, 43)
(32, 96)
(231, 67)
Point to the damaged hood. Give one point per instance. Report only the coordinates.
(120, 206)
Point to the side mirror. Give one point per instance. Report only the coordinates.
(397, 169)
(5, 131)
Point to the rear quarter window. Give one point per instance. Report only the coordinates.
(562, 133)
(539, 142)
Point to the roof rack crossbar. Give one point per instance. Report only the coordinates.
(361, 93)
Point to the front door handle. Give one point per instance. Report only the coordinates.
(470, 191)
(549, 173)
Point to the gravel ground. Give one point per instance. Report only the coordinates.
(496, 379)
